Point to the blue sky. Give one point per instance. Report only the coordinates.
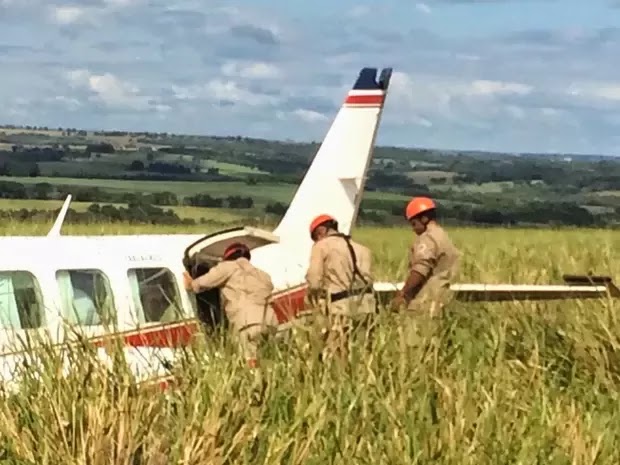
(529, 75)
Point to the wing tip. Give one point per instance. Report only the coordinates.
(57, 226)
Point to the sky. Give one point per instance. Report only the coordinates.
(513, 76)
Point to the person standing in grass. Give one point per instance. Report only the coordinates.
(433, 261)
(245, 292)
(339, 282)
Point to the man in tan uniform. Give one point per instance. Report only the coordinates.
(339, 281)
(245, 292)
(433, 261)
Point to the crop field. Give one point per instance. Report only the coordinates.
(219, 215)
(517, 383)
(262, 193)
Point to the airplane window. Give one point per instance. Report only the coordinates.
(86, 297)
(21, 303)
(155, 294)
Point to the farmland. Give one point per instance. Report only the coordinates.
(266, 192)
(489, 384)
(258, 177)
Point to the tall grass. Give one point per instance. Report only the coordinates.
(518, 383)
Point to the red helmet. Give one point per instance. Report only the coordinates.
(318, 221)
(236, 247)
(418, 205)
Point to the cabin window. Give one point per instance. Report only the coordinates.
(155, 295)
(86, 297)
(21, 305)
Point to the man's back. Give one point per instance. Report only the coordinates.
(246, 282)
(331, 264)
(245, 289)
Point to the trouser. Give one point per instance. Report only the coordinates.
(430, 303)
(252, 335)
(339, 321)
(423, 317)
(338, 331)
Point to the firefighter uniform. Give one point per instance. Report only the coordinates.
(339, 282)
(245, 291)
(433, 260)
(434, 256)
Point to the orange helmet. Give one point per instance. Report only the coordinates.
(318, 221)
(418, 205)
(232, 248)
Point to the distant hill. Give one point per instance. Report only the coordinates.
(471, 186)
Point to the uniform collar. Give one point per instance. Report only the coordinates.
(330, 233)
(431, 226)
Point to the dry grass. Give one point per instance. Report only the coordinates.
(490, 384)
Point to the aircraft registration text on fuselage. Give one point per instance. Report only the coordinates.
(143, 258)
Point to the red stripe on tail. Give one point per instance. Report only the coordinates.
(365, 99)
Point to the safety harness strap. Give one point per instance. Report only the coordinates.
(356, 270)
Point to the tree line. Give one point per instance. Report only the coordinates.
(133, 214)
(47, 191)
(143, 205)
(500, 214)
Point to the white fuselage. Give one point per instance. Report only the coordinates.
(45, 260)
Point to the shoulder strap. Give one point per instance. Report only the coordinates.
(356, 270)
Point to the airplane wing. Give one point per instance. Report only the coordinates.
(56, 227)
(574, 287)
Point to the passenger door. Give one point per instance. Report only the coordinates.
(205, 253)
(209, 250)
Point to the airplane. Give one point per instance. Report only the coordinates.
(130, 287)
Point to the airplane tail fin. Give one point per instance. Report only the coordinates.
(335, 181)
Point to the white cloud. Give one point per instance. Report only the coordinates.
(423, 7)
(309, 116)
(359, 11)
(78, 77)
(436, 93)
(67, 14)
(222, 90)
(610, 92)
(17, 3)
(467, 57)
(250, 70)
(123, 3)
(486, 87)
(114, 92)
(550, 111)
(515, 111)
(69, 103)
(600, 90)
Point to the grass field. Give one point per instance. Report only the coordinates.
(490, 384)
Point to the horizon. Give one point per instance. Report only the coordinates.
(35, 127)
(469, 75)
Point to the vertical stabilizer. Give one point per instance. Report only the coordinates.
(335, 180)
